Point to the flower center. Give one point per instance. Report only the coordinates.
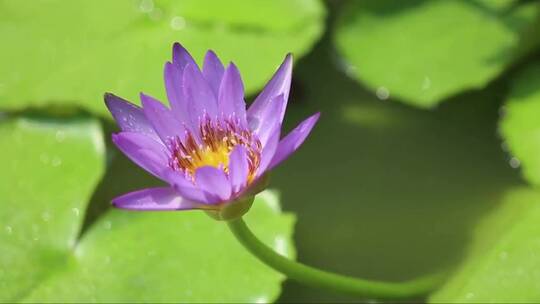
(210, 157)
(216, 140)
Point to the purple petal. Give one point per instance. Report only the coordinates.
(181, 56)
(173, 74)
(199, 95)
(159, 199)
(129, 117)
(161, 118)
(187, 189)
(143, 150)
(238, 168)
(173, 85)
(269, 118)
(231, 94)
(213, 181)
(279, 84)
(269, 151)
(293, 140)
(213, 71)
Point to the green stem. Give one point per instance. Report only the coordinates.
(331, 281)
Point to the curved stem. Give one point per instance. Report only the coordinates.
(331, 281)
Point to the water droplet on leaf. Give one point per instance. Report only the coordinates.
(156, 14)
(178, 23)
(56, 161)
(146, 6)
(46, 216)
(514, 163)
(382, 93)
(60, 136)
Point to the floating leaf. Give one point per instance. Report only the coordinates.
(70, 53)
(49, 171)
(418, 53)
(122, 256)
(520, 126)
(170, 257)
(503, 263)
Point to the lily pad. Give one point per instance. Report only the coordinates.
(54, 166)
(70, 53)
(170, 257)
(417, 52)
(49, 172)
(503, 263)
(520, 126)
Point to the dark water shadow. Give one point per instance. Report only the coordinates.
(382, 190)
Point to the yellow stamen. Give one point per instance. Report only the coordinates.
(218, 141)
(218, 158)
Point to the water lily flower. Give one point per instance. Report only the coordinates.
(210, 150)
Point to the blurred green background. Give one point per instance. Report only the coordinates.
(426, 157)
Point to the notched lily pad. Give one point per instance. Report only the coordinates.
(53, 168)
(417, 52)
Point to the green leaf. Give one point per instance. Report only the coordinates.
(418, 53)
(170, 257)
(503, 262)
(70, 53)
(520, 126)
(48, 173)
(52, 168)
